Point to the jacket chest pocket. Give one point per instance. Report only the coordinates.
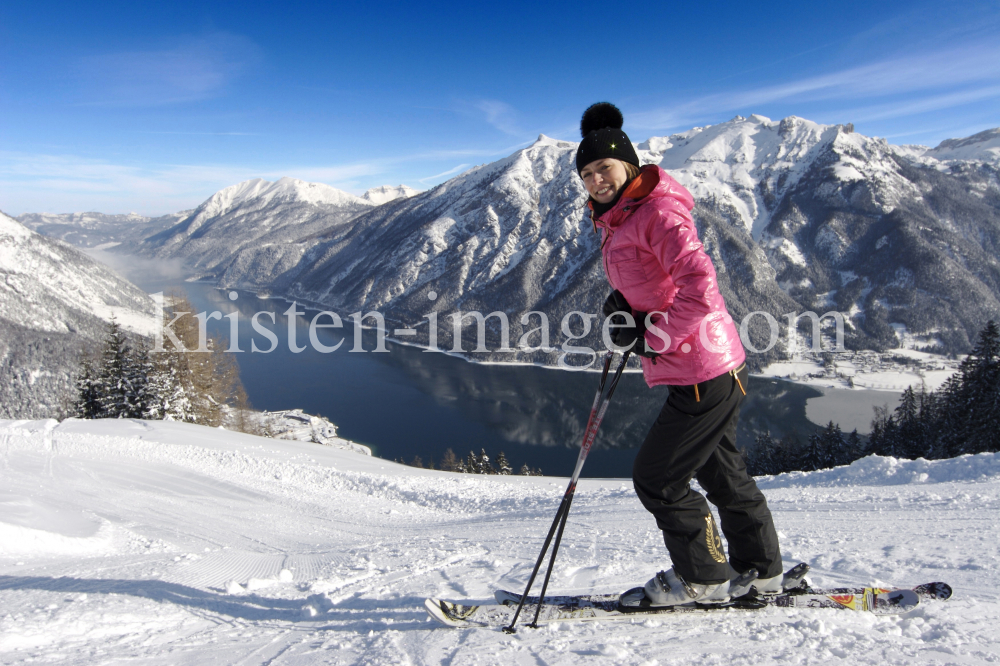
(625, 267)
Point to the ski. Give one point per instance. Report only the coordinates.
(595, 607)
(606, 607)
(927, 591)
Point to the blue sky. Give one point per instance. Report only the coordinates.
(152, 107)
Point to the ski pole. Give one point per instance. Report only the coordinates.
(597, 412)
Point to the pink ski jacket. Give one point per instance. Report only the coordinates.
(652, 255)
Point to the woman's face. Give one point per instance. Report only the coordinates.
(604, 178)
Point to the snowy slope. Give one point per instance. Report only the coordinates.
(166, 543)
(54, 300)
(49, 286)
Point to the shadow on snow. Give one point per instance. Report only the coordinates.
(353, 614)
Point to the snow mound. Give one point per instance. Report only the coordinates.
(888, 471)
(22, 541)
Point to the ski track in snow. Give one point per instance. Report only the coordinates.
(166, 543)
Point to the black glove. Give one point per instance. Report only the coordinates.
(622, 334)
(615, 302)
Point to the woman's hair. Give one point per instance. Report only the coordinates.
(631, 169)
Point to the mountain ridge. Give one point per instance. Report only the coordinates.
(794, 214)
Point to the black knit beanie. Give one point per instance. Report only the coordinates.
(601, 129)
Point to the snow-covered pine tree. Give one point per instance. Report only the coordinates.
(485, 466)
(472, 463)
(88, 404)
(120, 385)
(169, 400)
(503, 466)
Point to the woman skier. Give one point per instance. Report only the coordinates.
(656, 264)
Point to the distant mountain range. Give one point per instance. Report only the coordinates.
(796, 215)
(54, 301)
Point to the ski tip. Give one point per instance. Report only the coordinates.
(938, 591)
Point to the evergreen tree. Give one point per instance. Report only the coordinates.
(503, 467)
(485, 466)
(980, 373)
(910, 434)
(825, 449)
(116, 385)
(761, 459)
(473, 464)
(169, 397)
(951, 426)
(854, 450)
(88, 404)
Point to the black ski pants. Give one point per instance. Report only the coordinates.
(695, 437)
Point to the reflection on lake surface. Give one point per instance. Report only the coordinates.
(409, 402)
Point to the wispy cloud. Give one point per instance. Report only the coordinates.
(500, 115)
(61, 183)
(975, 67)
(449, 172)
(931, 103)
(194, 69)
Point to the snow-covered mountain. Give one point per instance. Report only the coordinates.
(981, 147)
(510, 236)
(161, 542)
(796, 215)
(98, 229)
(53, 299)
(254, 225)
(848, 222)
(386, 193)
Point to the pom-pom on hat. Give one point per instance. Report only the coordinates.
(601, 129)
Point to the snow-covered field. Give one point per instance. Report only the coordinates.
(165, 543)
